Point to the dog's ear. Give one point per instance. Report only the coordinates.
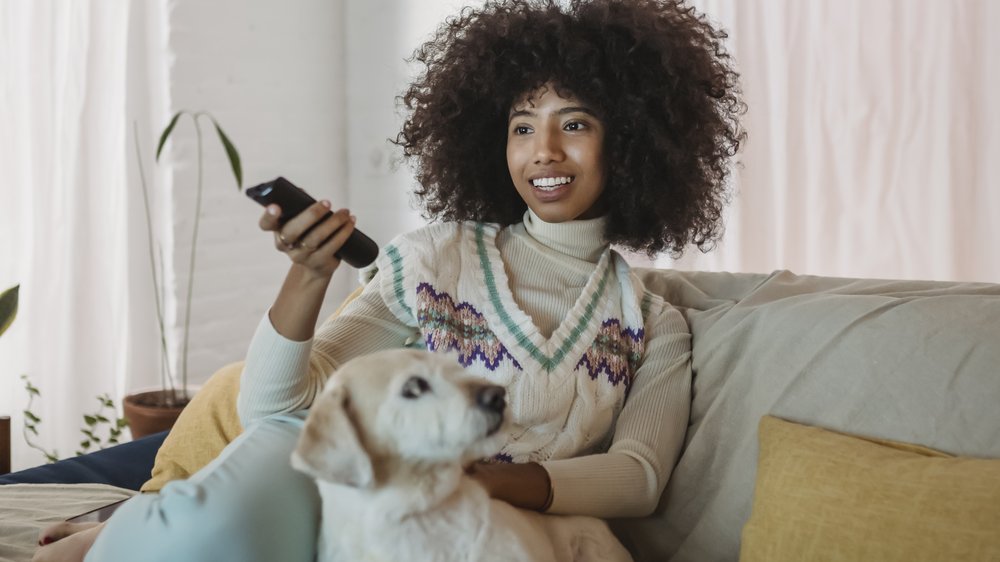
(329, 447)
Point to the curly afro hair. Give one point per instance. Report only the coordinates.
(656, 73)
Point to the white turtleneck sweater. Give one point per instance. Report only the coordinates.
(548, 266)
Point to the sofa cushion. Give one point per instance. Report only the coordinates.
(911, 361)
(204, 428)
(822, 495)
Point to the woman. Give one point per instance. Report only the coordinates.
(541, 135)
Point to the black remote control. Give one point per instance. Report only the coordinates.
(359, 250)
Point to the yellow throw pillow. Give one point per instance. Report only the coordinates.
(822, 495)
(206, 425)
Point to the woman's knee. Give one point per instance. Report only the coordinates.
(249, 504)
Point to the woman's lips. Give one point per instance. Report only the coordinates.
(551, 194)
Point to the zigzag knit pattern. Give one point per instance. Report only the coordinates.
(615, 351)
(447, 326)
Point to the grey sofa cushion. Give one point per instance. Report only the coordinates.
(913, 361)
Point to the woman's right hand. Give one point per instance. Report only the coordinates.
(311, 238)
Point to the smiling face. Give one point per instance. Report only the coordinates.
(555, 155)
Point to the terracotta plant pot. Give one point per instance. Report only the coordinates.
(148, 413)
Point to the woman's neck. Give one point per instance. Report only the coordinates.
(582, 239)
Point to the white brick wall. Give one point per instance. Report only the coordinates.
(381, 34)
(305, 89)
(272, 75)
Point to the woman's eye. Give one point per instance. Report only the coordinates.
(575, 126)
(414, 387)
(522, 130)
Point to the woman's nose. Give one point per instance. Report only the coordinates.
(548, 147)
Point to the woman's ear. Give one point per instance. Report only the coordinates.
(329, 447)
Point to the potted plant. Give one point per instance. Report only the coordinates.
(153, 411)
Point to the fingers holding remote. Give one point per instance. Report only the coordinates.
(311, 238)
(295, 227)
(326, 240)
(292, 234)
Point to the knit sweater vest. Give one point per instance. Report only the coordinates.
(565, 389)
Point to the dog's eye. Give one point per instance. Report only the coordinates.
(414, 387)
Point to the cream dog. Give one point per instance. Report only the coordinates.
(387, 441)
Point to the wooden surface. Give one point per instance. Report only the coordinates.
(4, 444)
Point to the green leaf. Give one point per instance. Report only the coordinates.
(8, 303)
(121, 423)
(234, 156)
(85, 444)
(166, 133)
(32, 429)
(32, 417)
(30, 387)
(102, 419)
(90, 420)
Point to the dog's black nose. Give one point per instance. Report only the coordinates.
(491, 397)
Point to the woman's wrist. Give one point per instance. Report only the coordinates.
(296, 309)
(308, 277)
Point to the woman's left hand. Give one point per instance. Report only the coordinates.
(524, 485)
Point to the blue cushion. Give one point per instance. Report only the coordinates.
(127, 466)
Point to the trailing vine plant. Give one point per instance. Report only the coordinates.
(101, 428)
(31, 421)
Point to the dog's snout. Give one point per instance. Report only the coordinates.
(491, 397)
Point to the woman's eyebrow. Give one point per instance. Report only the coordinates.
(520, 113)
(562, 111)
(577, 109)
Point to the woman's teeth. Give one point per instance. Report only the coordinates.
(549, 184)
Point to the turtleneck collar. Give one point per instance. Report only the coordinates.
(581, 239)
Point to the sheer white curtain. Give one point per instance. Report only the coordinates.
(65, 235)
(874, 147)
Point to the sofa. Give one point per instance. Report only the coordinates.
(869, 382)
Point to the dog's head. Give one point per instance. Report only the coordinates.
(400, 405)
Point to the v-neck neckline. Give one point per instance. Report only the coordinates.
(516, 328)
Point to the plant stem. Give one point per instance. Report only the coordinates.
(170, 389)
(168, 379)
(31, 422)
(194, 249)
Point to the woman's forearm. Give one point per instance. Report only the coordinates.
(296, 309)
(522, 485)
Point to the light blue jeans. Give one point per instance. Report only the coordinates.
(248, 505)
